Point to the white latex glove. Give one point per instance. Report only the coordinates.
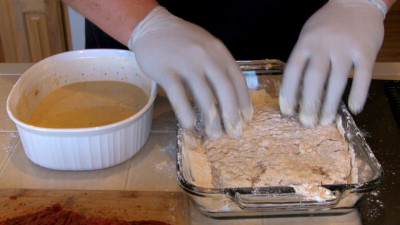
(342, 34)
(176, 54)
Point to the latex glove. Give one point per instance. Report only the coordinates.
(176, 54)
(342, 34)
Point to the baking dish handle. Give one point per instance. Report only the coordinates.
(284, 200)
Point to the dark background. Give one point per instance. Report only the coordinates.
(382, 133)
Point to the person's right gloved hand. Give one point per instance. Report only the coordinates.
(175, 54)
(341, 35)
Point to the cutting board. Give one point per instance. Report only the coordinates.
(169, 207)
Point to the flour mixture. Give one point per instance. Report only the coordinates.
(273, 151)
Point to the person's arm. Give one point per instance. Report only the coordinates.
(117, 18)
(383, 5)
(389, 3)
(342, 35)
(178, 55)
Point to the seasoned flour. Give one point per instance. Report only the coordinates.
(273, 151)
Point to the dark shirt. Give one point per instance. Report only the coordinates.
(251, 29)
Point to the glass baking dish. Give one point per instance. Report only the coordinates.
(282, 200)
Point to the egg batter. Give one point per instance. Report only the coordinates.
(88, 104)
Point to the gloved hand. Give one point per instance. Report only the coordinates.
(342, 34)
(176, 54)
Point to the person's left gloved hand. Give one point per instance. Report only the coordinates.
(342, 34)
(177, 54)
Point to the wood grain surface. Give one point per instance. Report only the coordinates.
(169, 207)
(390, 51)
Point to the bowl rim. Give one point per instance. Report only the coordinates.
(80, 131)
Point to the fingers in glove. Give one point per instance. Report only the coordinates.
(242, 92)
(205, 100)
(293, 73)
(227, 99)
(313, 87)
(340, 70)
(361, 81)
(175, 90)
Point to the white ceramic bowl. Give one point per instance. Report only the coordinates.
(81, 148)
